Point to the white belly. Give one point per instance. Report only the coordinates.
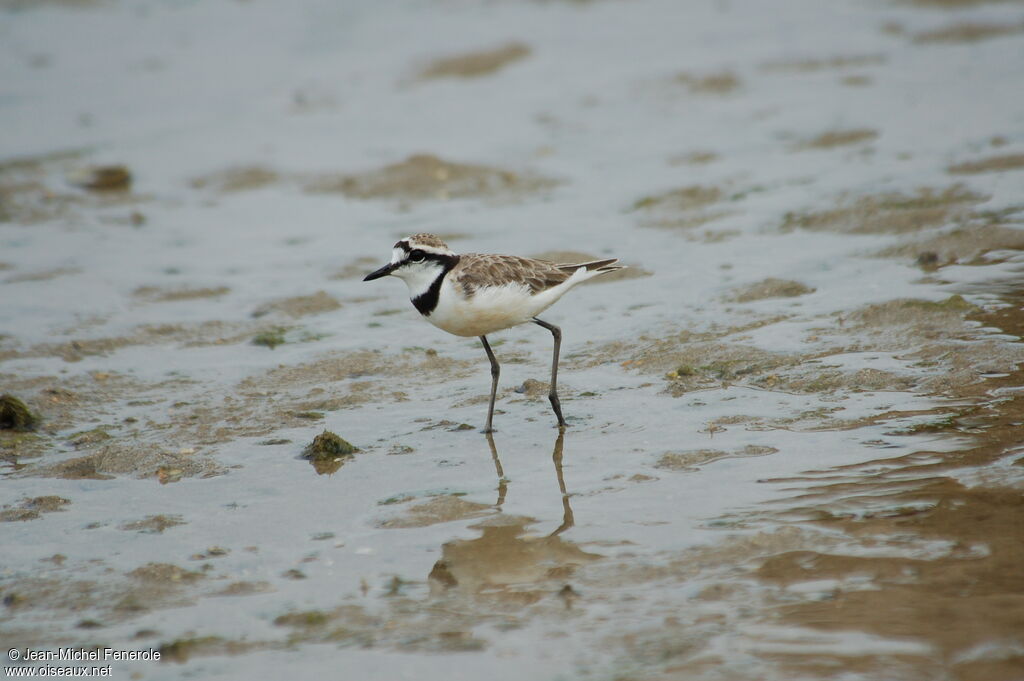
(489, 309)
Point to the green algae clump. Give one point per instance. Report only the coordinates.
(270, 338)
(327, 445)
(328, 452)
(14, 415)
(309, 618)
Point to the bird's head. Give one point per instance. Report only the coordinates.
(418, 260)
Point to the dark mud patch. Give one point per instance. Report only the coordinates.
(992, 164)
(692, 460)
(811, 65)
(389, 625)
(702, 365)
(166, 295)
(908, 324)
(57, 187)
(42, 275)
(942, 350)
(521, 576)
(965, 604)
(126, 446)
(244, 589)
(922, 550)
(181, 650)
(153, 524)
(684, 209)
(151, 587)
(30, 509)
(129, 457)
(769, 288)
(87, 439)
(74, 349)
(914, 318)
(299, 306)
(163, 444)
(440, 509)
(341, 366)
(810, 378)
(112, 178)
(293, 395)
(718, 83)
(693, 158)
(426, 177)
(38, 593)
(963, 32)
(856, 81)
(533, 389)
(890, 213)
(475, 64)
(936, 336)
(964, 245)
(455, 426)
(57, 401)
(165, 573)
(646, 352)
(237, 179)
(682, 199)
(680, 645)
(839, 138)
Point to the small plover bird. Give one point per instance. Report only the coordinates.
(474, 294)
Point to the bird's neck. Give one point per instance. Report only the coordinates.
(424, 296)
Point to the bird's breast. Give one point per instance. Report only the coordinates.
(489, 309)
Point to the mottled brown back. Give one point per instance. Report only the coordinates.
(476, 270)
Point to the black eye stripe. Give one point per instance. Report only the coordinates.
(446, 259)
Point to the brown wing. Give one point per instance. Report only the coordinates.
(476, 271)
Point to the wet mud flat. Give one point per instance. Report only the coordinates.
(794, 423)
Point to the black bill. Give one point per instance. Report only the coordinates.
(382, 272)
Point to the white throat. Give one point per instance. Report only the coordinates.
(419, 276)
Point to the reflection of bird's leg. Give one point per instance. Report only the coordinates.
(502, 482)
(556, 456)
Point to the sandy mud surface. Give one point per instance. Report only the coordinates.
(794, 446)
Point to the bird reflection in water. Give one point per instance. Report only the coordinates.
(505, 560)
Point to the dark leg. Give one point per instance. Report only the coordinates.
(553, 395)
(495, 370)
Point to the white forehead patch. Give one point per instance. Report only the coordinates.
(397, 255)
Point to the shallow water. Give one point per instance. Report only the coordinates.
(792, 449)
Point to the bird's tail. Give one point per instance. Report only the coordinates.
(596, 266)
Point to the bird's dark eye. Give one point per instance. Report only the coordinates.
(416, 255)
